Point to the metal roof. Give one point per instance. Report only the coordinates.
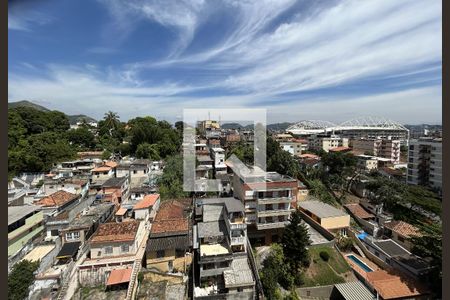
(15, 213)
(322, 210)
(354, 290)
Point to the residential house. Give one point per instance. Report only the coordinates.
(115, 190)
(86, 223)
(390, 286)
(401, 232)
(146, 208)
(138, 171)
(170, 242)
(71, 185)
(57, 202)
(220, 240)
(25, 223)
(104, 172)
(116, 239)
(329, 217)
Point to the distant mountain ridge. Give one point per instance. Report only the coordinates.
(271, 127)
(73, 119)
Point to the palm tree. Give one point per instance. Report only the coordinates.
(111, 121)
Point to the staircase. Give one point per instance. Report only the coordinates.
(133, 280)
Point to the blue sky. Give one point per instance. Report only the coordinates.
(330, 60)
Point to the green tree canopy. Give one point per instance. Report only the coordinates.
(295, 239)
(20, 279)
(149, 151)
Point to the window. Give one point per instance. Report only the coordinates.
(125, 248)
(134, 171)
(160, 253)
(377, 253)
(179, 253)
(108, 250)
(401, 239)
(70, 236)
(240, 289)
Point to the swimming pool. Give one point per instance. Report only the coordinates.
(359, 263)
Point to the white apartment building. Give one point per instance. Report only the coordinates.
(386, 148)
(326, 142)
(218, 155)
(425, 162)
(268, 198)
(294, 147)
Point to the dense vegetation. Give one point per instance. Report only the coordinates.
(36, 139)
(20, 279)
(285, 262)
(39, 138)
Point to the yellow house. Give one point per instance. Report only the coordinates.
(327, 216)
(169, 244)
(24, 224)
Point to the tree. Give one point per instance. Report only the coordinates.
(295, 239)
(112, 120)
(20, 279)
(149, 151)
(275, 271)
(429, 245)
(171, 181)
(81, 137)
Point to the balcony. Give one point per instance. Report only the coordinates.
(239, 240)
(273, 200)
(261, 226)
(275, 212)
(236, 226)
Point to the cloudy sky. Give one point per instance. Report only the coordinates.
(330, 60)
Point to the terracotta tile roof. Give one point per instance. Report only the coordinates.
(392, 286)
(116, 232)
(309, 155)
(119, 276)
(110, 164)
(358, 211)
(121, 211)
(149, 200)
(339, 149)
(171, 218)
(101, 169)
(403, 228)
(58, 198)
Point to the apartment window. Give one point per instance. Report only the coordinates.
(108, 250)
(134, 171)
(70, 236)
(269, 220)
(125, 248)
(179, 253)
(281, 206)
(377, 253)
(280, 219)
(160, 253)
(269, 207)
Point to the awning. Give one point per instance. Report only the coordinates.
(118, 276)
(69, 250)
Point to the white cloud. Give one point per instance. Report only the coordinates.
(260, 58)
(22, 16)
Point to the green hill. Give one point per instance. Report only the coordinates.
(73, 119)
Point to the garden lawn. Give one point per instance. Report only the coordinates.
(321, 272)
